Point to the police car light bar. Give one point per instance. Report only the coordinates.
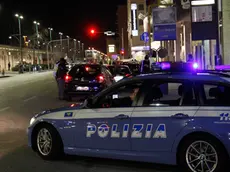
(178, 66)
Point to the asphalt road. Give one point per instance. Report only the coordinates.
(20, 98)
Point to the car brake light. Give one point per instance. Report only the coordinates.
(68, 78)
(127, 75)
(100, 78)
(87, 69)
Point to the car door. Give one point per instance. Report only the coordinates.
(164, 109)
(106, 126)
(107, 75)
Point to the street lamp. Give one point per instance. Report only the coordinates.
(79, 48)
(50, 29)
(60, 33)
(68, 42)
(36, 26)
(20, 17)
(82, 49)
(75, 49)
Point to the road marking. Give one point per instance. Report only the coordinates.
(31, 98)
(4, 109)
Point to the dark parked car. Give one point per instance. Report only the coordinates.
(134, 67)
(121, 71)
(87, 79)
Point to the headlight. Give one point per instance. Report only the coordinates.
(32, 121)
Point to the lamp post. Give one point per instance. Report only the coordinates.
(50, 31)
(79, 48)
(20, 17)
(75, 49)
(37, 36)
(82, 46)
(51, 47)
(67, 43)
(36, 27)
(60, 33)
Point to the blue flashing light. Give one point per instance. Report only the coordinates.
(178, 66)
(165, 65)
(195, 65)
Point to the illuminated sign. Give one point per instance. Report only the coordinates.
(134, 19)
(111, 48)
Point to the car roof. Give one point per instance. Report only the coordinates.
(206, 77)
(92, 65)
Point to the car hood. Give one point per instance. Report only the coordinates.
(72, 107)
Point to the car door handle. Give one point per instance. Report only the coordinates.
(180, 115)
(122, 116)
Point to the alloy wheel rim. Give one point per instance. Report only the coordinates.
(201, 157)
(44, 142)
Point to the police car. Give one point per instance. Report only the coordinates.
(167, 118)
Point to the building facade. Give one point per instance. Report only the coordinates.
(113, 48)
(12, 55)
(122, 18)
(136, 10)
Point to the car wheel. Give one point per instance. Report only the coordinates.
(48, 142)
(202, 154)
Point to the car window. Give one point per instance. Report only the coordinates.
(123, 70)
(111, 69)
(107, 72)
(124, 96)
(215, 95)
(170, 94)
(85, 70)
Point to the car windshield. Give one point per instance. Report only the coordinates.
(123, 70)
(85, 70)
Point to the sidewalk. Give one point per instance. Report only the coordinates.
(15, 73)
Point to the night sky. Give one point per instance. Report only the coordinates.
(73, 19)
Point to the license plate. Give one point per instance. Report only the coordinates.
(82, 88)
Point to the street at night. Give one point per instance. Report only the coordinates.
(35, 93)
(115, 86)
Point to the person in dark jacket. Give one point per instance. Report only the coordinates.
(145, 65)
(60, 76)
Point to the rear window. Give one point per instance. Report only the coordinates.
(123, 70)
(134, 68)
(86, 70)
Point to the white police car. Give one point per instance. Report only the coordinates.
(176, 118)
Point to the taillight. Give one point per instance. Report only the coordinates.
(127, 75)
(68, 78)
(100, 78)
(87, 68)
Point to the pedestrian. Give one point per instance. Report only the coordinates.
(145, 65)
(60, 76)
(3, 72)
(190, 58)
(9, 66)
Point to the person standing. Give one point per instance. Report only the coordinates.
(9, 66)
(145, 65)
(60, 76)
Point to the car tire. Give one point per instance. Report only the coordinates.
(202, 150)
(54, 145)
